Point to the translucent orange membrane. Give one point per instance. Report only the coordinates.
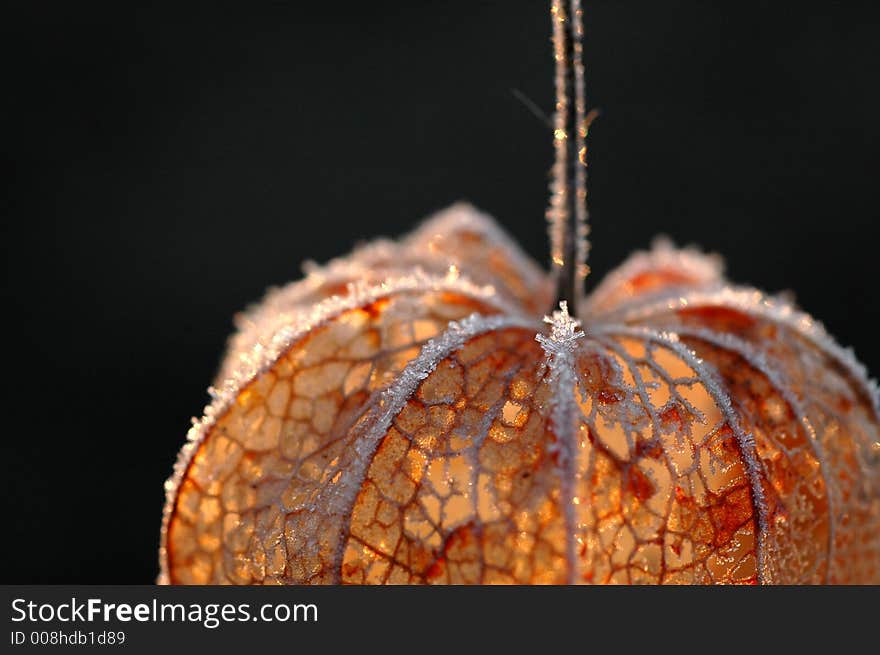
(425, 427)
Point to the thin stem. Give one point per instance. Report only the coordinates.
(567, 213)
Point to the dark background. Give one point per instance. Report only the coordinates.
(166, 165)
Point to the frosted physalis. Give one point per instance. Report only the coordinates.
(402, 415)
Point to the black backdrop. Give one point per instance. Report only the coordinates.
(166, 165)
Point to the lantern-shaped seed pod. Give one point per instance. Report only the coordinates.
(403, 415)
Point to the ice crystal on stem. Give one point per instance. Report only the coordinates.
(564, 331)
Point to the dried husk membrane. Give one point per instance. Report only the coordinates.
(402, 416)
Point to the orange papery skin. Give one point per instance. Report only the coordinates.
(403, 415)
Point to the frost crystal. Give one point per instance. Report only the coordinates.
(564, 331)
